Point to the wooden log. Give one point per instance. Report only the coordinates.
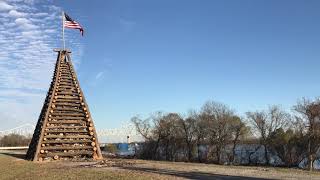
(68, 93)
(67, 147)
(66, 115)
(66, 127)
(64, 86)
(68, 136)
(59, 109)
(66, 73)
(67, 78)
(67, 141)
(68, 104)
(69, 100)
(67, 97)
(66, 131)
(69, 154)
(68, 121)
(65, 82)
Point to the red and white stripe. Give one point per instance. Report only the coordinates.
(72, 24)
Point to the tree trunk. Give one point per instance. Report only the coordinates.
(154, 156)
(234, 146)
(167, 151)
(310, 159)
(233, 151)
(189, 151)
(218, 155)
(266, 154)
(198, 149)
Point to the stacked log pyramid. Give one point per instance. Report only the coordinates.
(65, 129)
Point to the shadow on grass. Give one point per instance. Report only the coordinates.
(15, 154)
(191, 174)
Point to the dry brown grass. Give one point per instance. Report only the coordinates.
(13, 167)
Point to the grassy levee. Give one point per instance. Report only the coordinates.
(13, 168)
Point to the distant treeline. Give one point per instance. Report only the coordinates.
(291, 136)
(13, 140)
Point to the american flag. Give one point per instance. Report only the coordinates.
(70, 23)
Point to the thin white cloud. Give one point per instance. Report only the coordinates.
(25, 23)
(99, 75)
(29, 32)
(14, 13)
(5, 6)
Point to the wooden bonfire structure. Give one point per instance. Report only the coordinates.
(65, 129)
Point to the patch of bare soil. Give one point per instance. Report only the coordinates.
(111, 163)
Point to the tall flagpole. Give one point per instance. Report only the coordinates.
(63, 41)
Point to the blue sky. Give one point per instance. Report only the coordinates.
(137, 57)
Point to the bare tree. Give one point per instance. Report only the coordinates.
(143, 127)
(238, 130)
(14, 140)
(188, 127)
(201, 130)
(264, 123)
(217, 117)
(153, 131)
(309, 112)
(171, 136)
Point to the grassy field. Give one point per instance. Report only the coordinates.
(13, 166)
